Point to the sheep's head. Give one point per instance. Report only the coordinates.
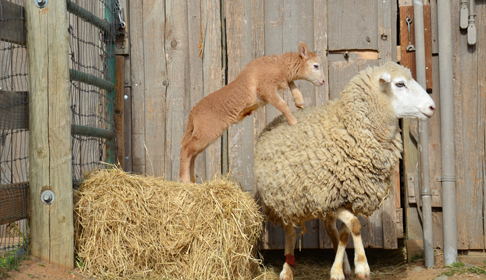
(409, 99)
(311, 70)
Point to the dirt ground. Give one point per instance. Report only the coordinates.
(310, 265)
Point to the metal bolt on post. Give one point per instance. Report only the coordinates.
(40, 3)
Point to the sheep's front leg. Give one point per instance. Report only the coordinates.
(296, 95)
(362, 268)
(335, 237)
(288, 267)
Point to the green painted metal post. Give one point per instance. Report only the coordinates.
(110, 65)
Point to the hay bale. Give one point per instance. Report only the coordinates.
(131, 226)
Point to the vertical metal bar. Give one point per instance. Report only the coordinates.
(426, 193)
(110, 95)
(447, 131)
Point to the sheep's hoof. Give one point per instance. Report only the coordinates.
(300, 105)
(363, 271)
(337, 273)
(287, 272)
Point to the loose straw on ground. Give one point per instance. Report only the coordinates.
(132, 226)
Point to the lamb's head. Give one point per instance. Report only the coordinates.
(311, 69)
(408, 98)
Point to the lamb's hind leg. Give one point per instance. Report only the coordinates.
(362, 268)
(288, 267)
(334, 236)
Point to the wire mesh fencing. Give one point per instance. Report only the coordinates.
(91, 34)
(14, 135)
(91, 61)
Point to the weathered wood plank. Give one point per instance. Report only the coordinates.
(156, 86)
(459, 40)
(240, 136)
(407, 58)
(213, 74)
(481, 53)
(358, 30)
(434, 140)
(50, 133)
(384, 30)
(320, 45)
(195, 31)
(473, 163)
(120, 108)
(434, 27)
(137, 65)
(12, 25)
(428, 48)
(128, 130)
(177, 64)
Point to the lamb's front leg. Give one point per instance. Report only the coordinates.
(288, 267)
(274, 99)
(296, 95)
(362, 268)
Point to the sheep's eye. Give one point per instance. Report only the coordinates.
(400, 84)
(316, 66)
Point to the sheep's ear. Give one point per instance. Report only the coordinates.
(303, 51)
(384, 78)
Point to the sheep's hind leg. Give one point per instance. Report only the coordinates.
(288, 267)
(334, 236)
(362, 268)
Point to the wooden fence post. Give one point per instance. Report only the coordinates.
(50, 153)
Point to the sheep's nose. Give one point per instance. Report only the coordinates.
(432, 108)
(323, 81)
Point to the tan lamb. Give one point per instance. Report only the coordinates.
(258, 84)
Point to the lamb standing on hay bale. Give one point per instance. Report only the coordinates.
(258, 84)
(136, 227)
(337, 162)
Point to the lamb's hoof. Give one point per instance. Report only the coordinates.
(300, 105)
(287, 272)
(363, 271)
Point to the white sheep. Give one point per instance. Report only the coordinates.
(337, 161)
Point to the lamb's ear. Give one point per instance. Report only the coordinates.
(303, 51)
(384, 79)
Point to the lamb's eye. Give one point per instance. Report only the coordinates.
(400, 84)
(316, 66)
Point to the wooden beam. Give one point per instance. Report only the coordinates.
(12, 27)
(120, 108)
(50, 155)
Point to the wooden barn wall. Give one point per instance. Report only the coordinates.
(179, 54)
(469, 104)
(168, 77)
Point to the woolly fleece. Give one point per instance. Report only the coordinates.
(342, 153)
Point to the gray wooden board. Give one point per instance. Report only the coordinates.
(481, 53)
(175, 43)
(196, 92)
(212, 73)
(138, 82)
(434, 140)
(352, 28)
(240, 136)
(128, 130)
